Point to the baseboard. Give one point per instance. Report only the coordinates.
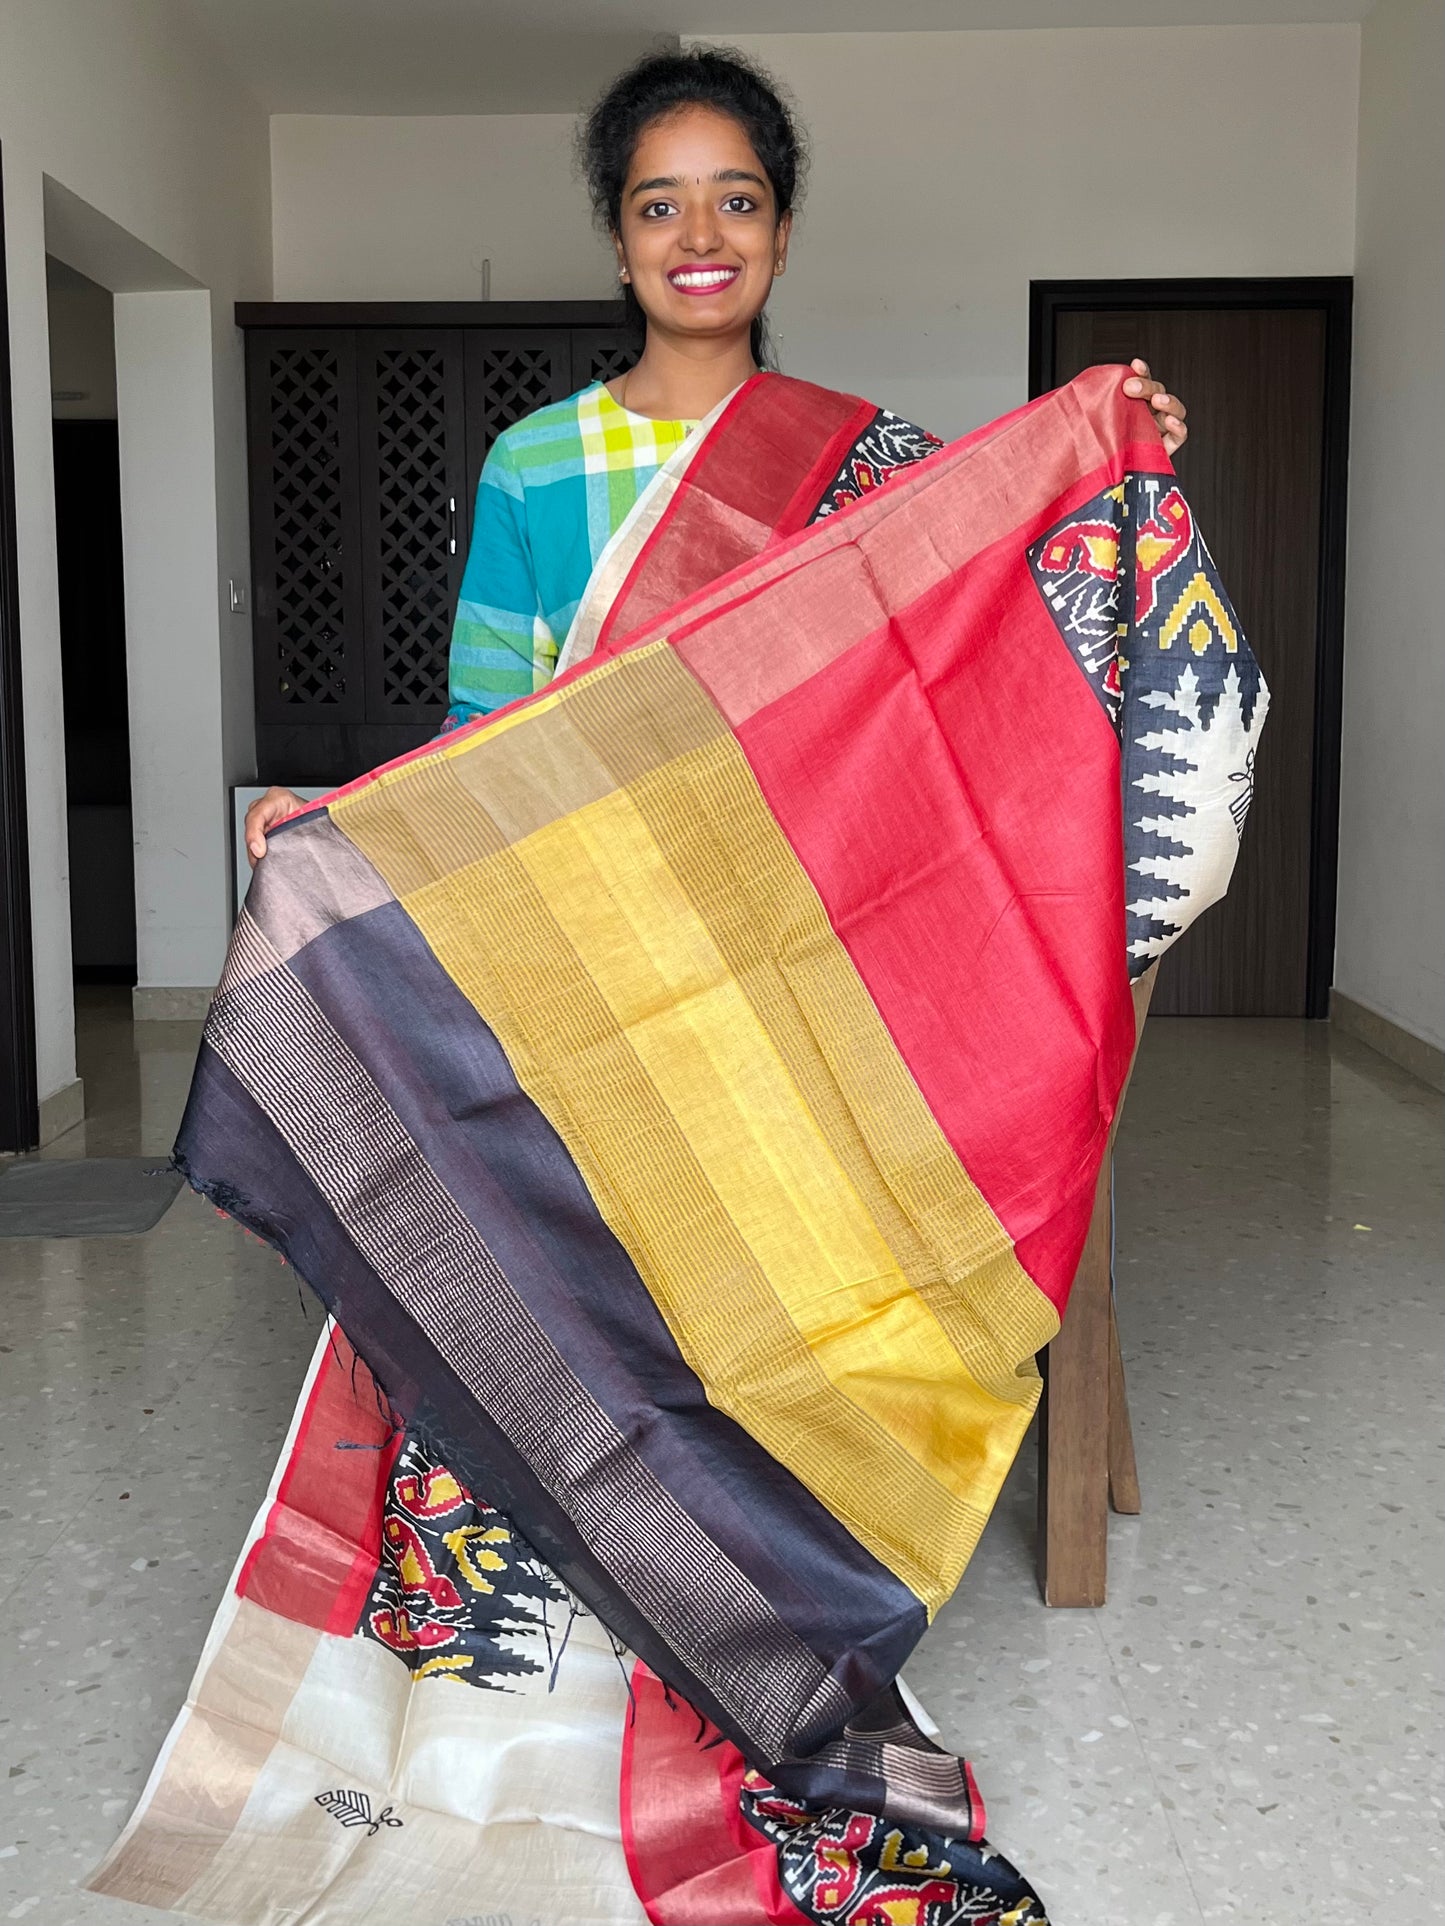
(170, 1002)
(1423, 1060)
(62, 1110)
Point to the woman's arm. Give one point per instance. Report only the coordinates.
(501, 645)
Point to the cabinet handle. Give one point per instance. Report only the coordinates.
(451, 525)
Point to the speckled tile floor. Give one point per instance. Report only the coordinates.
(1249, 1730)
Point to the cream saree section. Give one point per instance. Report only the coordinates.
(319, 1776)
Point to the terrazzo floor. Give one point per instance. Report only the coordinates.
(1249, 1730)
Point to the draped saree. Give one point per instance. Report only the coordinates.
(685, 1089)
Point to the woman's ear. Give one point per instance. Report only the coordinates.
(622, 275)
(780, 242)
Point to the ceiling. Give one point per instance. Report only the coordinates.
(550, 56)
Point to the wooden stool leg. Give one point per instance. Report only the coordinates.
(1074, 1430)
(1086, 1448)
(1123, 1471)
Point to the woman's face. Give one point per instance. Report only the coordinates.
(699, 238)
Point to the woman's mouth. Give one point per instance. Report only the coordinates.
(702, 280)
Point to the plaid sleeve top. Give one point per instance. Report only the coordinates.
(555, 489)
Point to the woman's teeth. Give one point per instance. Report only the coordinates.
(703, 277)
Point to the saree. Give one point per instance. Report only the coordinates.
(685, 1090)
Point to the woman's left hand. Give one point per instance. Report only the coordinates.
(1169, 410)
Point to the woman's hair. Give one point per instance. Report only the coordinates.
(663, 83)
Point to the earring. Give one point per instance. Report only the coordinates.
(622, 276)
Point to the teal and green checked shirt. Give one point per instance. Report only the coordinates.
(554, 491)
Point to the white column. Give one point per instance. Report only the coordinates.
(165, 374)
(44, 721)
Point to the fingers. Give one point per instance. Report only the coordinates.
(1139, 383)
(256, 827)
(265, 811)
(1169, 412)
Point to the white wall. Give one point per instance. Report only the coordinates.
(1391, 935)
(949, 169)
(165, 390)
(122, 108)
(403, 208)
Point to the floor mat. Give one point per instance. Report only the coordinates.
(85, 1196)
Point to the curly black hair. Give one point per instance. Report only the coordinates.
(662, 83)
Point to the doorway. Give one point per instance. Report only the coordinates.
(1263, 367)
(92, 627)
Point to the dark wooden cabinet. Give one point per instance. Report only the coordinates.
(368, 427)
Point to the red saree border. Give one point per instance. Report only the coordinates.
(693, 1858)
(693, 543)
(344, 1448)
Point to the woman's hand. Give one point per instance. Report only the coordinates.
(266, 810)
(1169, 410)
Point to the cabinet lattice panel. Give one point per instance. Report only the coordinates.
(606, 362)
(515, 381)
(308, 570)
(413, 559)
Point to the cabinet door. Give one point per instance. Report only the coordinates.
(510, 373)
(305, 533)
(411, 435)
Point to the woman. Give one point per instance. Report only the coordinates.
(694, 167)
(377, 1565)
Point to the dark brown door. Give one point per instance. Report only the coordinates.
(1255, 381)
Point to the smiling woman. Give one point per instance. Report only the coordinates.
(651, 1082)
(694, 165)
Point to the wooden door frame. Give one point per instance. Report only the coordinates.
(19, 1104)
(1334, 296)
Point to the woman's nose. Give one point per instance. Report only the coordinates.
(701, 234)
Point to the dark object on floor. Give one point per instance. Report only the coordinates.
(85, 1196)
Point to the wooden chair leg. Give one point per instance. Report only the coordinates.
(1086, 1448)
(1123, 1471)
(1074, 1430)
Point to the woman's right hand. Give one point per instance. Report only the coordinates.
(265, 811)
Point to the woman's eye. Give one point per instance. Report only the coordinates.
(740, 204)
(654, 210)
